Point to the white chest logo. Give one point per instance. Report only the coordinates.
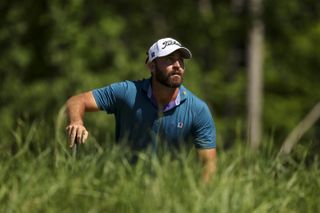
(180, 125)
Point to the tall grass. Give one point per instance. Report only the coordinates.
(38, 173)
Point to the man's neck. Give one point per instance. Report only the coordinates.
(163, 94)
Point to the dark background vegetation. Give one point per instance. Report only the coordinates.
(50, 50)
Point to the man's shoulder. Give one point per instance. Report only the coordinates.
(192, 99)
(130, 84)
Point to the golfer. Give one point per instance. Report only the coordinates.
(153, 112)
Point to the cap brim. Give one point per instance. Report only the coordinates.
(185, 53)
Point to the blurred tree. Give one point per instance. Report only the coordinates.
(292, 63)
(52, 49)
(255, 72)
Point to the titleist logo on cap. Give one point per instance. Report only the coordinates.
(170, 42)
(166, 46)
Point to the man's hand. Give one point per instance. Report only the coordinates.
(76, 107)
(77, 133)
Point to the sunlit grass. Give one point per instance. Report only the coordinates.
(38, 173)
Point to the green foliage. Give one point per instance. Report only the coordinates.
(52, 50)
(291, 79)
(99, 178)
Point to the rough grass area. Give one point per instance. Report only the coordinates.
(38, 174)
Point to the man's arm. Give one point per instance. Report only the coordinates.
(76, 107)
(208, 158)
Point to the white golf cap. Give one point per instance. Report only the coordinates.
(166, 46)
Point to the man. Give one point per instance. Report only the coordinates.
(151, 112)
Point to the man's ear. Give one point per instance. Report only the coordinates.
(151, 66)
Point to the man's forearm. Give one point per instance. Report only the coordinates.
(75, 110)
(209, 161)
(209, 169)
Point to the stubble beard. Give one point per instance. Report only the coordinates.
(168, 80)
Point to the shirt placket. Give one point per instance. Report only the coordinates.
(156, 131)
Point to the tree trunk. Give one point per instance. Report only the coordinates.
(300, 129)
(255, 63)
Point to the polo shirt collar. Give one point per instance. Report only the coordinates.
(179, 99)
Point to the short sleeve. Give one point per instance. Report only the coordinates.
(108, 98)
(204, 129)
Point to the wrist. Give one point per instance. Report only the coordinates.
(78, 122)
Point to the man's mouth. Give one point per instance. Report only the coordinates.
(175, 74)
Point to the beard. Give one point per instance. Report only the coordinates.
(168, 80)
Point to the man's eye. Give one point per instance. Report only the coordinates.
(168, 60)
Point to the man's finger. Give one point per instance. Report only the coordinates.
(72, 136)
(69, 130)
(84, 136)
(79, 135)
(71, 144)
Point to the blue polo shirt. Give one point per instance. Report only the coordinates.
(142, 124)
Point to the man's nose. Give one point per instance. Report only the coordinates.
(176, 63)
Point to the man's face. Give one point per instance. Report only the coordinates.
(169, 70)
